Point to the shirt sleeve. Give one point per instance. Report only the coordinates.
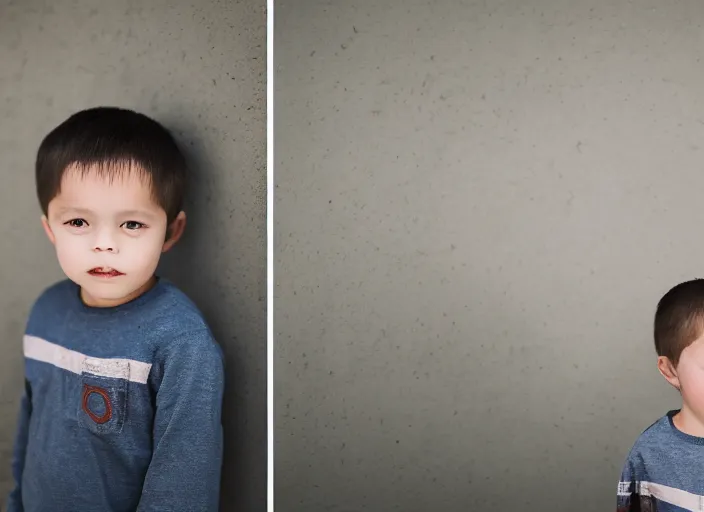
(627, 498)
(184, 473)
(14, 501)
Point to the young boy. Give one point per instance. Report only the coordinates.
(124, 382)
(665, 468)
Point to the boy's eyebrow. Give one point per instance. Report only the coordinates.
(136, 213)
(124, 213)
(72, 209)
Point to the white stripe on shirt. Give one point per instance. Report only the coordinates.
(39, 349)
(664, 493)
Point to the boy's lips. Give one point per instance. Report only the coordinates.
(105, 272)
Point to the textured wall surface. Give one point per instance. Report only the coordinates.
(200, 68)
(478, 206)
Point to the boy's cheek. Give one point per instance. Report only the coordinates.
(68, 256)
(693, 389)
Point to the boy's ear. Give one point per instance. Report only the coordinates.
(47, 230)
(174, 231)
(668, 370)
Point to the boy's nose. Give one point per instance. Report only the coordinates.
(105, 242)
(102, 248)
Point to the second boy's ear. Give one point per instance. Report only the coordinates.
(668, 370)
(174, 231)
(47, 230)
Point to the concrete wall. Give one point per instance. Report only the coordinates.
(199, 67)
(478, 206)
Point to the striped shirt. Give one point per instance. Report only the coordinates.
(122, 406)
(664, 471)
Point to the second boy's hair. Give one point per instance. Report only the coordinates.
(679, 319)
(111, 141)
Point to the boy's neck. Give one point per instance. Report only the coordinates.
(686, 421)
(103, 303)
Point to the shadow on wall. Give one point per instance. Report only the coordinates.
(191, 266)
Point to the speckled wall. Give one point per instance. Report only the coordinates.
(478, 206)
(200, 68)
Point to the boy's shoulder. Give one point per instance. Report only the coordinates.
(54, 294)
(51, 302)
(171, 309)
(659, 438)
(178, 330)
(655, 432)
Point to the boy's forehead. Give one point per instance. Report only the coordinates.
(129, 188)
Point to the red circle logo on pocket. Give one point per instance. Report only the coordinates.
(95, 390)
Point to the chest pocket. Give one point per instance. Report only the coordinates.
(102, 405)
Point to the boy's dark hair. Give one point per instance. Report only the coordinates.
(113, 140)
(679, 319)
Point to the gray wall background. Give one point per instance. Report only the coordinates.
(200, 68)
(478, 205)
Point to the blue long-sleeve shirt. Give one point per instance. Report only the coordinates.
(663, 471)
(122, 406)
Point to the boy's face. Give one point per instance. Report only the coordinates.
(109, 234)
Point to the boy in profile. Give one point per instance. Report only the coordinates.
(665, 469)
(123, 379)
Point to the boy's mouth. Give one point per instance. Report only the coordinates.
(105, 272)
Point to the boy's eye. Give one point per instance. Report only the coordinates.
(133, 225)
(76, 223)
